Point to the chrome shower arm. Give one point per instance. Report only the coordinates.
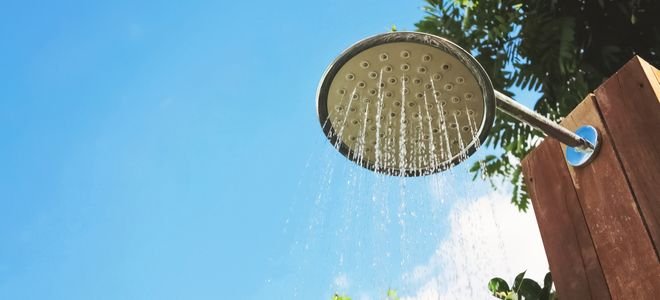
(547, 126)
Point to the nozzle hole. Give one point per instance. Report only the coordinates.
(383, 56)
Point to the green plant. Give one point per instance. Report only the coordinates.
(391, 295)
(523, 288)
(338, 297)
(561, 49)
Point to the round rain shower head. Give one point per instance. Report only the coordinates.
(406, 103)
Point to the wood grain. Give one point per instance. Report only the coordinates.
(571, 255)
(629, 103)
(624, 248)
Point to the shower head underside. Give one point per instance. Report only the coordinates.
(406, 103)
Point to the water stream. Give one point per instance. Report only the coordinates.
(373, 231)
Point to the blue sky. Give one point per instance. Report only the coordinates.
(161, 150)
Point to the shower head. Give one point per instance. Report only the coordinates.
(406, 103)
(413, 104)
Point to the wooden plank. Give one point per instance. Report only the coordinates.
(620, 238)
(629, 103)
(571, 255)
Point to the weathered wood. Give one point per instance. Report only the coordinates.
(624, 248)
(609, 220)
(629, 103)
(571, 255)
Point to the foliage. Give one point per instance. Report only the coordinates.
(560, 48)
(391, 295)
(338, 297)
(523, 288)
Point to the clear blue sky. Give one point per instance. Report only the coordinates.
(171, 151)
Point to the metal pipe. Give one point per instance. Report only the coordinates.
(550, 128)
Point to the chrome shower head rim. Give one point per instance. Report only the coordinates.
(439, 43)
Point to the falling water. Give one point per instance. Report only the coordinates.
(375, 225)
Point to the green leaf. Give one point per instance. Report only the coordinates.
(529, 289)
(517, 281)
(547, 281)
(392, 294)
(498, 285)
(338, 297)
(546, 292)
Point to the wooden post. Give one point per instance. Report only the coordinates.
(600, 223)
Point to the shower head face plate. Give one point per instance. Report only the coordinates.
(406, 104)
